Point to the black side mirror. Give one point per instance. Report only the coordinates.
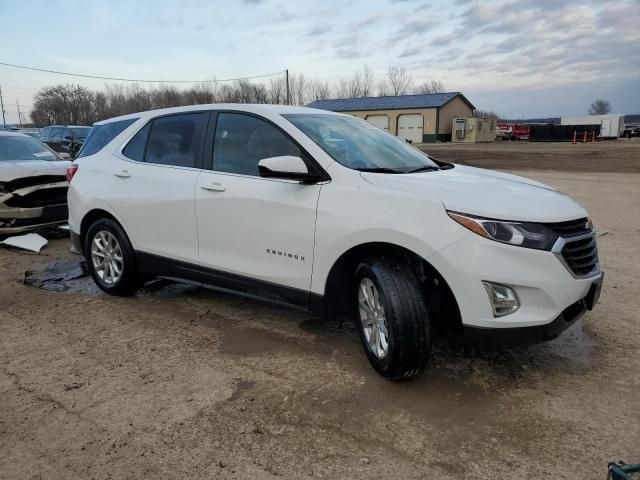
(287, 167)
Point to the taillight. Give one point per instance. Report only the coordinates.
(71, 171)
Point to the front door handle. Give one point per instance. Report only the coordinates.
(122, 173)
(214, 187)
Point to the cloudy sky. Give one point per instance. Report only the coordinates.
(520, 58)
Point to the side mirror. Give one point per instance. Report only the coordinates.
(287, 167)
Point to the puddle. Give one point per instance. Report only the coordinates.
(241, 387)
(57, 277)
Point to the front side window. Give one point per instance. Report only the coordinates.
(358, 145)
(241, 141)
(21, 148)
(101, 135)
(176, 139)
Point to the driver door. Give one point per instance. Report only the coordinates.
(254, 234)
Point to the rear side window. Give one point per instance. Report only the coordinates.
(176, 139)
(135, 148)
(100, 135)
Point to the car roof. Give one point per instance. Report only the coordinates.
(264, 109)
(69, 126)
(7, 133)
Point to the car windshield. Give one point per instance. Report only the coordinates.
(18, 147)
(357, 144)
(81, 132)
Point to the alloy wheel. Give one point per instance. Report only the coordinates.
(107, 258)
(373, 319)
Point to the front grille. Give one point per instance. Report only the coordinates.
(39, 198)
(570, 228)
(581, 255)
(577, 246)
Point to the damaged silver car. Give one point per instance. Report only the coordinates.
(33, 184)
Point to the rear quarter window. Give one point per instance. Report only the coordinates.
(101, 135)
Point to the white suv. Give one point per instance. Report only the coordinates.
(327, 212)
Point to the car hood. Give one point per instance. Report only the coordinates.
(485, 193)
(13, 170)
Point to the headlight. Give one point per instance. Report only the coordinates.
(523, 234)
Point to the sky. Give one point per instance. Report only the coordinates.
(519, 58)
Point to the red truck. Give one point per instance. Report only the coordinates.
(513, 131)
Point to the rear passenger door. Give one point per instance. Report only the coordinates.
(254, 232)
(154, 180)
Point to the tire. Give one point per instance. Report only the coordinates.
(104, 232)
(405, 318)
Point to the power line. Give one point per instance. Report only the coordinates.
(136, 80)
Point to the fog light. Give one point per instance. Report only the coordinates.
(503, 299)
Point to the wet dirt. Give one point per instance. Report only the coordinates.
(608, 156)
(184, 382)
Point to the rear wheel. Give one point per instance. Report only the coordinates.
(392, 318)
(111, 259)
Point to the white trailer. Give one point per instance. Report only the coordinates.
(611, 125)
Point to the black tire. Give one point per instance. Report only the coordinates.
(129, 281)
(407, 321)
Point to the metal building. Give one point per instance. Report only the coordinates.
(473, 130)
(420, 118)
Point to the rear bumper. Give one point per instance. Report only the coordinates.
(522, 336)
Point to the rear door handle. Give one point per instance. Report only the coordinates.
(214, 187)
(122, 173)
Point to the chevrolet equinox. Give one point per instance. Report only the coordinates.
(326, 212)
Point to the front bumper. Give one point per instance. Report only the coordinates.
(508, 337)
(19, 220)
(543, 284)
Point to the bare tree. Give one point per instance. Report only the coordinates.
(397, 81)
(73, 104)
(278, 91)
(491, 115)
(299, 89)
(359, 85)
(600, 107)
(319, 90)
(66, 104)
(430, 86)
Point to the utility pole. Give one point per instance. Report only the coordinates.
(2, 108)
(19, 114)
(288, 96)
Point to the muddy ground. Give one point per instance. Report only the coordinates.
(180, 382)
(607, 156)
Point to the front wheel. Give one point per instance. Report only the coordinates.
(111, 258)
(392, 318)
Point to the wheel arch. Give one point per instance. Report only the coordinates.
(90, 217)
(439, 297)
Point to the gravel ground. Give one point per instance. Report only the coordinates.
(180, 382)
(608, 156)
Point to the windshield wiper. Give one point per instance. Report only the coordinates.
(379, 170)
(424, 168)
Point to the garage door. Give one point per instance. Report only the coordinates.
(410, 127)
(380, 121)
